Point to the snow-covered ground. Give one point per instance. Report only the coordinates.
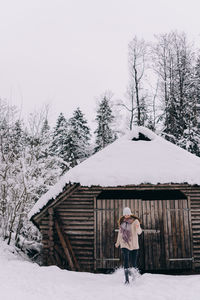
(21, 279)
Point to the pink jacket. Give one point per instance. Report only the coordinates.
(133, 244)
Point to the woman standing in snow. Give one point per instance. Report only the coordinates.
(129, 229)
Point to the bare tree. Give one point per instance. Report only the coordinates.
(136, 94)
(137, 60)
(173, 58)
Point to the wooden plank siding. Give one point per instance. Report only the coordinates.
(108, 212)
(166, 236)
(80, 216)
(180, 252)
(77, 216)
(151, 248)
(195, 221)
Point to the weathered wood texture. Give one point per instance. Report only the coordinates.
(193, 194)
(77, 216)
(195, 221)
(166, 240)
(108, 212)
(65, 245)
(51, 236)
(167, 223)
(67, 191)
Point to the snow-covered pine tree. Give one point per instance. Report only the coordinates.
(58, 133)
(79, 133)
(46, 137)
(61, 142)
(17, 139)
(104, 118)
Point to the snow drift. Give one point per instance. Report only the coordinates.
(22, 280)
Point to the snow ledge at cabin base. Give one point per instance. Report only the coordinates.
(22, 280)
(129, 161)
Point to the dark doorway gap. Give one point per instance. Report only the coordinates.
(144, 195)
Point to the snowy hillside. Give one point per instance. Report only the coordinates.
(22, 280)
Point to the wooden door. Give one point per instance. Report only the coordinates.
(166, 242)
(167, 235)
(153, 249)
(178, 235)
(108, 212)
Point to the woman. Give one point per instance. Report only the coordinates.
(129, 229)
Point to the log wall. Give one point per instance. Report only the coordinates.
(78, 213)
(77, 216)
(194, 195)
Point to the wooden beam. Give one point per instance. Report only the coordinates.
(58, 256)
(64, 245)
(51, 235)
(95, 233)
(68, 244)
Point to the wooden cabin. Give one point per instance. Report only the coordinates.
(159, 181)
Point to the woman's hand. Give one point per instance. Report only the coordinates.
(116, 246)
(137, 224)
(138, 228)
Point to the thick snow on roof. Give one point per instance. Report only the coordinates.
(129, 161)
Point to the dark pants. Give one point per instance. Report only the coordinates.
(130, 258)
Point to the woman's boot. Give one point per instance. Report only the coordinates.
(126, 272)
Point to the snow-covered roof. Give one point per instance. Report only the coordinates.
(129, 161)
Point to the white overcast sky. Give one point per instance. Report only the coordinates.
(68, 52)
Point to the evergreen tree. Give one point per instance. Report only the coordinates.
(80, 136)
(104, 132)
(61, 142)
(17, 139)
(58, 135)
(46, 137)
